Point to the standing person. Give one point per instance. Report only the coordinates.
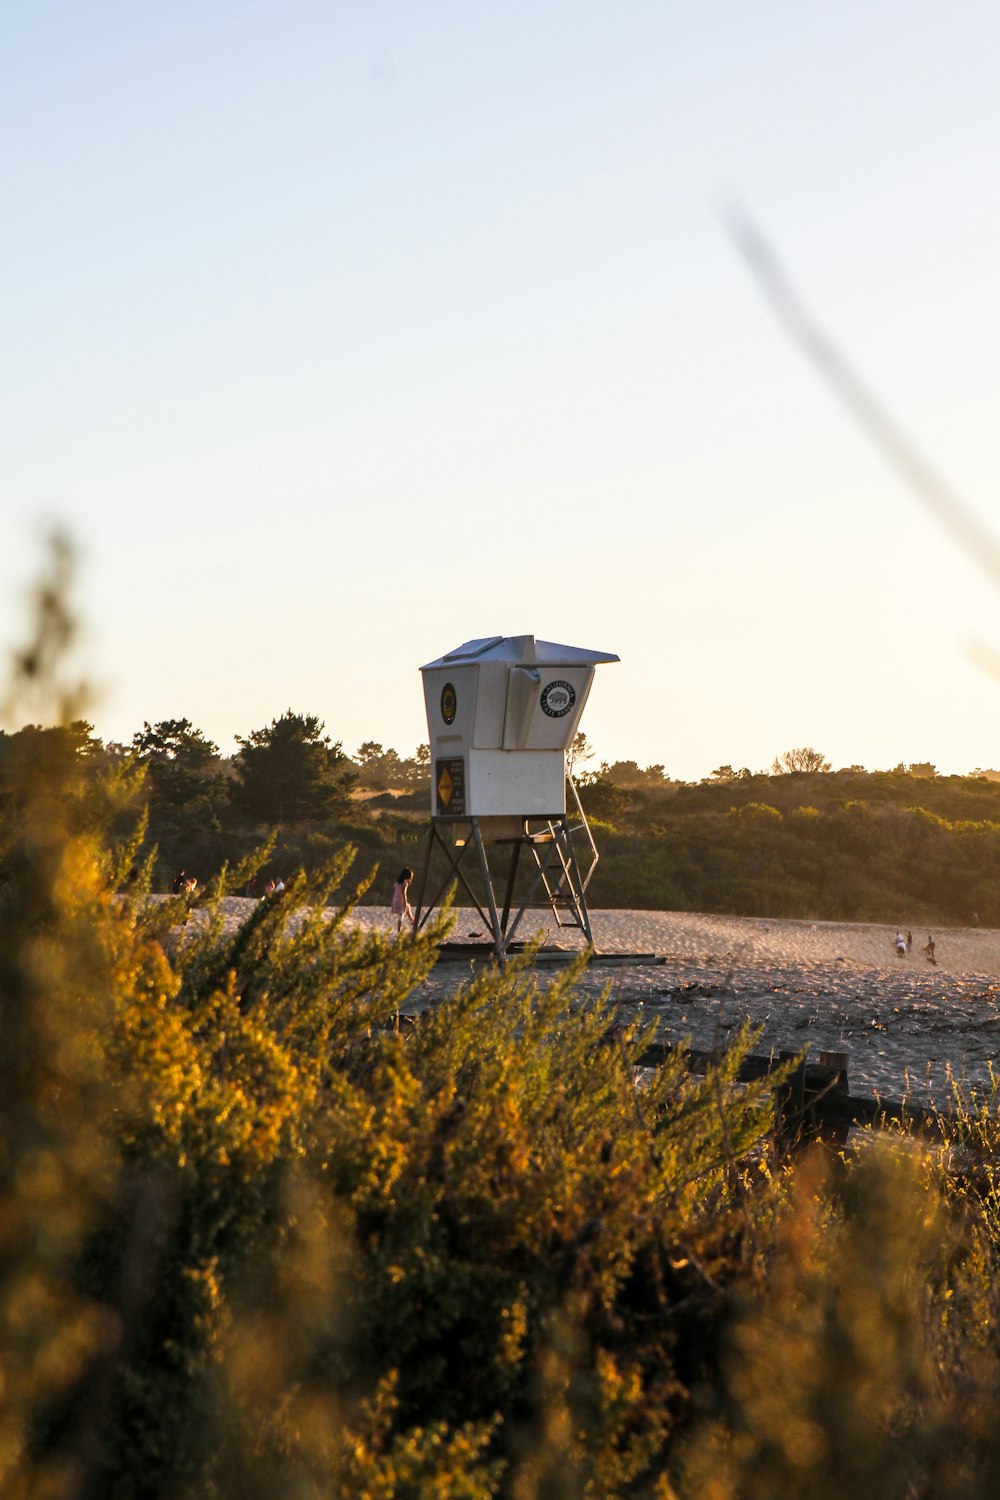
(929, 950)
(909, 940)
(400, 899)
(900, 945)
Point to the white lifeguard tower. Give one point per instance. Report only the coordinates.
(502, 712)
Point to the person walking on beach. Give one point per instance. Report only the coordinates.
(909, 941)
(929, 950)
(400, 900)
(900, 945)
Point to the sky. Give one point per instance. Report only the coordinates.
(339, 334)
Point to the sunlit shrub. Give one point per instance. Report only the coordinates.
(257, 1238)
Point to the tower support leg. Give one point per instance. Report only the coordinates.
(557, 881)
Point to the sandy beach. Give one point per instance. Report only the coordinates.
(905, 1023)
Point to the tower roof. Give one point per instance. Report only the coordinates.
(521, 649)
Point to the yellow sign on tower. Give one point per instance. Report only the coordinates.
(450, 786)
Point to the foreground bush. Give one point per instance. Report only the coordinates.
(256, 1237)
(320, 1246)
(258, 1240)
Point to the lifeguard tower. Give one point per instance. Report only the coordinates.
(502, 712)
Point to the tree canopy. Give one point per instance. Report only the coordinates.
(803, 759)
(291, 771)
(182, 764)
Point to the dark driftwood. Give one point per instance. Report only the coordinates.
(812, 1103)
(459, 952)
(815, 1100)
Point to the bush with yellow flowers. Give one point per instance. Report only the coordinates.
(259, 1240)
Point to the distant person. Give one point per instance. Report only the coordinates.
(180, 881)
(900, 945)
(279, 886)
(975, 919)
(400, 899)
(929, 950)
(909, 941)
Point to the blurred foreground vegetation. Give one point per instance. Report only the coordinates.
(257, 1240)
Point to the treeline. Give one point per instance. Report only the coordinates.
(903, 846)
(852, 845)
(289, 782)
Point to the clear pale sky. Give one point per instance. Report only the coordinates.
(338, 334)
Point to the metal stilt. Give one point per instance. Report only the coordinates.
(558, 881)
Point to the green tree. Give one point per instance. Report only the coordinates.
(628, 773)
(369, 754)
(415, 772)
(385, 770)
(379, 768)
(59, 751)
(292, 772)
(601, 798)
(803, 759)
(182, 766)
(579, 752)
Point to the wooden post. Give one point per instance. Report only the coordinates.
(835, 1133)
(789, 1107)
(799, 1113)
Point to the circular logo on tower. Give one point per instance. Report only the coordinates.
(558, 698)
(449, 703)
